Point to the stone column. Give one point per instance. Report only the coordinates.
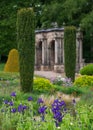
(56, 51)
(44, 51)
(62, 47)
(48, 55)
(81, 52)
(79, 59)
(61, 51)
(77, 54)
(36, 57)
(35, 67)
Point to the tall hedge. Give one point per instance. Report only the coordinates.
(70, 51)
(26, 47)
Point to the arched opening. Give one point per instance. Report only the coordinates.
(39, 55)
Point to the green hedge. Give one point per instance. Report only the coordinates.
(70, 51)
(26, 47)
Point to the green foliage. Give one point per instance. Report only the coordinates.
(26, 47)
(2, 66)
(12, 64)
(70, 51)
(88, 97)
(84, 81)
(87, 22)
(74, 90)
(7, 27)
(42, 84)
(87, 70)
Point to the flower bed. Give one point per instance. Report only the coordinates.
(30, 114)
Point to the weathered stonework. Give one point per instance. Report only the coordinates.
(49, 50)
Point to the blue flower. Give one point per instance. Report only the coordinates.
(40, 100)
(30, 98)
(5, 101)
(25, 107)
(42, 109)
(13, 110)
(61, 103)
(58, 116)
(11, 103)
(58, 109)
(55, 109)
(13, 94)
(20, 108)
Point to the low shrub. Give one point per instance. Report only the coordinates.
(87, 70)
(84, 81)
(42, 84)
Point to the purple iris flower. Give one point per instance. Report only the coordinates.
(13, 110)
(58, 104)
(30, 98)
(58, 116)
(55, 109)
(20, 108)
(61, 103)
(42, 109)
(40, 100)
(58, 109)
(11, 103)
(13, 94)
(5, 101)
(24, 107)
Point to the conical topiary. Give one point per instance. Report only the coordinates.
(12, 64)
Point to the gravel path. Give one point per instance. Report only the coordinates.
(48, 74)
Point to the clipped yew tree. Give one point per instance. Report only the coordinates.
(70, 51)
(12, 64)
(26, 47)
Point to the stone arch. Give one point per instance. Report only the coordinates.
(39, 54)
